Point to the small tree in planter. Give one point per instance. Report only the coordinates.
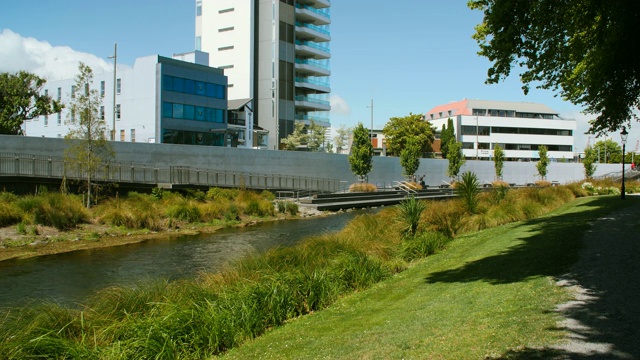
(456, 159)
(410, 157)
(498, 161)
(543, 163)
(589, 161)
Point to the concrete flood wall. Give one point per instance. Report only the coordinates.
(385, 171)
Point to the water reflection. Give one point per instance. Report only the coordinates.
(69, 278)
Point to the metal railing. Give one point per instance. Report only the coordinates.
(38, 166)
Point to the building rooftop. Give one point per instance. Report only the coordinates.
(466, 106)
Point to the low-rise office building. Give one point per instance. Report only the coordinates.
(518, 127)
(178, 100)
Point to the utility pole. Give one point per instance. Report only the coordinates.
(371, 129)
(115, 61)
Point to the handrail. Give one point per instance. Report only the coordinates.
(46, 167)
(402, 185)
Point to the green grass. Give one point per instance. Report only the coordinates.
(491, 293)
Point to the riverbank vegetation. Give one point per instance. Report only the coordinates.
(493, 290)
(36, 224)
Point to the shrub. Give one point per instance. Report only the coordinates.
(446, 217)
(410, 212)
(232, 213)
(287, 207)
(135, 211)
(362, 187)
(52, 209)
(10, 213)
(215, 209)
(186, 210)
(219, 193)
(423, 245)
(468, 190)
(543, 183)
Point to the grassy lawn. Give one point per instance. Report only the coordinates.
(490, 293)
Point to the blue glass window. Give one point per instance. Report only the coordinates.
(199, 113)
(167, 109)
(199, 88)
(210, 90)
(178, 111)
(167, 83)
(219, 92)
(178, 85)
(189, 86)
(189, 112)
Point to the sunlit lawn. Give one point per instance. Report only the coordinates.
(490, 292)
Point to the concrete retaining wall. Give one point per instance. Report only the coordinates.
(385, 171)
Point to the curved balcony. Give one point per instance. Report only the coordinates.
(314, 85)
(310, 67)
(309, 32)
(312, 15)
(311, 49)
(311, 104)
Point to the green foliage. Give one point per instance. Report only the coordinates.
(447, 135)
(607, 151)
(410, 212)
(22, 98)
(52, 209)
(287, 207)
(342, 138)
(456, 159)
(588, 162)
(312, 136)
(185, 210)
(232, 213)
(220, 193)
(498, 160)
(574, 47)
(468, 189)
(10, 213)
(410, 156)
(543, 163)
(88, 147)
(361, 157)
(423, 245)
(398, 130)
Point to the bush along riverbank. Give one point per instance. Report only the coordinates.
(216, 312)
(51, 222)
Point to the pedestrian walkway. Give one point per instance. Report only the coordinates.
(603, 320)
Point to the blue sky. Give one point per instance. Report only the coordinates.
(408, 56)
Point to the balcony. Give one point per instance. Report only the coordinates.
(315, 85)
(310, 67)
(309, 32)
(319, 4)
(305, 118)
(308, 14)
(309, 49)
(308, 103)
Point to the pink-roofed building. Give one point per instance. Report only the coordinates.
(518, 127)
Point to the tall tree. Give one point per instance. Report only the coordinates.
(21, 99)
(579, 48)
(608, 151)
(361, 157)
(88, 148)
(589, 160)
(296, 138)
(315, 136)
(399, 129)
(410, 156)
(342, 138)
(543, 163)
(498, 160)
(456, 159)
(447, 135)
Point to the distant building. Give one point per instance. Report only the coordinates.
(275, 53)
(158, 100)
(518, 127)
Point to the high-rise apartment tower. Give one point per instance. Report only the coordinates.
(274, 53)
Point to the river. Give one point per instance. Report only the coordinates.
(70, 277)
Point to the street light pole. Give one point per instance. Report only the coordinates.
(371, 129)
(115, 61)
(623, 136)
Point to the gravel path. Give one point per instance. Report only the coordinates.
(604, 318)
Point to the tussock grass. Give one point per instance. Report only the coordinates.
(52, 209)
(363, 187)
(217, 312)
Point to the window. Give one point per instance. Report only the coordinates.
(449, 112)
(118, 111)
(101, 112)
(133, 135)
(59, 118)
(73, 91)
(167, 110)
(118, 86)
(200, 88)
(225, 10)
(199, 8)
(102, 88)
(59, 93)
(189, 86)
(230, 28)
(46, 92)
(73, 116)
(121, 135)
(225, 48)
(46, 120)
(199, 43)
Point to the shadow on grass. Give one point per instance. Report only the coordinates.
(552, 248)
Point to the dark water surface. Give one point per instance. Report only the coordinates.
(71, 277)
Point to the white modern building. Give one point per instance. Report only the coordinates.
(178, 100)
(518, 127)
(275, 54)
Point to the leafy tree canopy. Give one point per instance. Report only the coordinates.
(311, 135)
(579, 48)
(399, 129)
(410, 156)
(456, 159)
(588, 162)
(543, 163)
(498, 160)
(446, 137)
(607, 151)
(361, 157)
(21, 99)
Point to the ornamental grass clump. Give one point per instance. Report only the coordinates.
(468, 189)
(63, 212)
(363, 187)
(410, 212)
(10, 212)
(423, 245)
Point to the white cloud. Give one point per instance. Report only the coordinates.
(339, 105)
(41, 58)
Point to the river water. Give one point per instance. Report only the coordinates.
(70, 277)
